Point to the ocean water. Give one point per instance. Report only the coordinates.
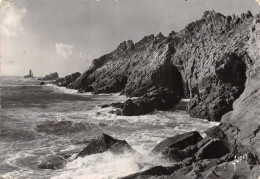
(38, 123)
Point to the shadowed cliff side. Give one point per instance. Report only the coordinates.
(133, 69)
(246, 113)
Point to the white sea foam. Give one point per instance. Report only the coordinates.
(107, 165)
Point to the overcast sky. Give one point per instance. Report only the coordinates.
(66, 35)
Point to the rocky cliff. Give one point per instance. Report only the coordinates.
(213, 61)
(207, 61)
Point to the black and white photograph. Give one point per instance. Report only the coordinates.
(129, 89)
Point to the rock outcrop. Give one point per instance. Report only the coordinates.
(161, 99)
(207, 61)
(218, 155)
(50, 77)
(105, 143)
(67, 80)
(246, 114)
(133, 69)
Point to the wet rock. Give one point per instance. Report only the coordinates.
(115, 105)
(121, 147)
(105, 106)
(98, 145)
(53, 163)
(154, 171)
(137, 107)
(161, 99)
(42, 83)
(106, 143)
(215, 148)
(179, 141)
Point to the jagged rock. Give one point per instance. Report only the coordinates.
(161, 99)
(218, 58)
(106, 143)
(206, 61)
(51, 77)
(67, 79)
(98, 145)
(180, 141)
(121, 147)
(245, 115)
(133, 69)
(53, 163)
(137, 107)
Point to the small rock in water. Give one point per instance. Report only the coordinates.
(53, 163)
(104, 143)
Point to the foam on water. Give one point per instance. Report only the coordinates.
(24, 146)
(107, 165)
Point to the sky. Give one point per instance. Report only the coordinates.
(64, 36)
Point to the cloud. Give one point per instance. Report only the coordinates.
(85, 56)
(258, 2)
(12, 20)
(64, 50)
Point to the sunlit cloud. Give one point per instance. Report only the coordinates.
(64, 50)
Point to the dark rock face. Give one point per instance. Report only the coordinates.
(42, 83)
(67, 79)
(215, 148)
(99, 145)
(133, 69)
(51, 77)
(179, 147)
(121, 147)
(210, 157)
(106, 143)
(154, 171)
(228, 84)
(161, 99)
(180, 141)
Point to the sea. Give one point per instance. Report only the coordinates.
(39, 123)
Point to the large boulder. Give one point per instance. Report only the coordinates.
(105, 143)
(180, 141)
(160, 99)
(121, 147)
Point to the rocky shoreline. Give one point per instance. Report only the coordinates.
(215, 62)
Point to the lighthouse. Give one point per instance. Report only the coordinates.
(30, 74)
